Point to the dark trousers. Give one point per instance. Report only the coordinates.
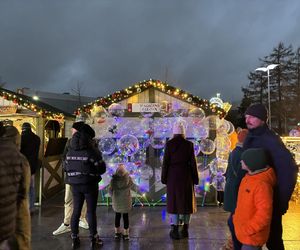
(81, 192)
(125, 220)
(236, 244)
(275, 241)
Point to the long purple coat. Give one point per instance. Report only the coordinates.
(179, 173)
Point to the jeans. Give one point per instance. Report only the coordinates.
(81, 192)
(237, 245)
(125, 220)
(178, 219)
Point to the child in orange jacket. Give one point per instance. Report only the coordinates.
(253, 214)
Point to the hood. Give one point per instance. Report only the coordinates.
(121, 181)
(80, 141)
(266, 175)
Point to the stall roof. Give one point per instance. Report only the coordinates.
(158, 85)
(37, 106)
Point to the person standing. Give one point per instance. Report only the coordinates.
(261, 136)
(15, 226)
(65, 226)
(30, 146)
(234, 174)
(84, 167)
(119, 189)
(253, 213)
(179, 173)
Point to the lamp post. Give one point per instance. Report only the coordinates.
(267, 69)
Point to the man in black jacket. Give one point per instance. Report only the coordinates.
(260, 136)
(30, 146)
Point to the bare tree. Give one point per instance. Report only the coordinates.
(78, 91)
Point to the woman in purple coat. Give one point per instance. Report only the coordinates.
(179, 173)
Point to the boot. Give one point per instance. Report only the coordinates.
(174, 234)
(126, 234)
(118, 233)
(75, 243)
(185, 231)
(96, 242)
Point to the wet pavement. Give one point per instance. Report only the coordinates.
(149, 228)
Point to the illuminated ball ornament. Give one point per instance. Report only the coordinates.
(116, 110)
(146, 172)
(128, 145)
(196, 146)
(197, 113)
(158, 142)
(207, 146)
(107, 145)
(216, 101)
(294, 133)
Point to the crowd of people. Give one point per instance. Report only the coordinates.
(260, 178)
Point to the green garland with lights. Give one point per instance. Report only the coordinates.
(159, 85)
(35, 106)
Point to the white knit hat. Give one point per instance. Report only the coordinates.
(178, 129)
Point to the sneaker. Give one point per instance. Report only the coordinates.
(62, 229)
(84, 224)
(126, 234)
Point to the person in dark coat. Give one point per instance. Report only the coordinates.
(180, 174)
(234, 174)
(84, 167)
(260, 136)
(15, 226)
(30, 146)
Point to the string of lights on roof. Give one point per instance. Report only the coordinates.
(159, 85)
(24, 102)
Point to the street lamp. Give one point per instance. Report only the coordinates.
(267, 69)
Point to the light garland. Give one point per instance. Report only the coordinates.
(159, 85)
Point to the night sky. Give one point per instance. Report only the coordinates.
(203, 47)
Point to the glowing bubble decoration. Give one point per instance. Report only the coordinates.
(164, 108)
(158, 142)
(197, 113)
(146, 172)
(196, 146)
(105, 181)
(222, 143)
(161, 127)
(223, 155)
(107, 145)
(82, 117)
(294, 133)
(116, 158)
(144, 142)
(128, 145)
(217, 165)
(207, 146)
(116, 110)
(197, 130)
(99, 113)
(219, 182)
(139, 157)
(178, 110)
(231, 128)
(213, 122)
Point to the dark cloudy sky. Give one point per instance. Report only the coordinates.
(200, 46)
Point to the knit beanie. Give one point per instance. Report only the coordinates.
(77, 125)
(242, 134)
(88, 130)
(258, 110)
(255, 158)
(178, 129)
(26, 126)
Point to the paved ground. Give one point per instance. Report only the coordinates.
(149, 229)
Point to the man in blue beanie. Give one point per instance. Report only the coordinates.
(261, 136)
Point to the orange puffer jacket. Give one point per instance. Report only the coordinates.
(252, 218)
